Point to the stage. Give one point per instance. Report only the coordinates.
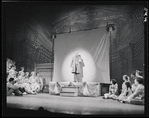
(73, 105)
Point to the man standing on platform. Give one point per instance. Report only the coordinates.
(77, 65)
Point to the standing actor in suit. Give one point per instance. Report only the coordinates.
(77, 65)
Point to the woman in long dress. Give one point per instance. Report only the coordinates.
(27, 84)
(34, 85)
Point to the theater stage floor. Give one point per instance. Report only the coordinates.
(73, 105)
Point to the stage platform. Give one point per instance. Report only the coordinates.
(83, 88)
(73, 105)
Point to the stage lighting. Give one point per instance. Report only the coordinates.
(89, 71)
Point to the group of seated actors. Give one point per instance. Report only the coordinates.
(20, 83)
(131, 92)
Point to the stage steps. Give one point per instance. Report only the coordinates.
(69, 91)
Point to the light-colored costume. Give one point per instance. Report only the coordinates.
(134, 86)
(73, 65)
(22, 73)
(27, 86)
(126, 93)
(34, 85)
(39, 81)
(77, 65)
(80, 65)
(9, 64)
(137, 95)
(113, 89)
(11, 74)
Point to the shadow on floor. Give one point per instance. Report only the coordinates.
(41, 112)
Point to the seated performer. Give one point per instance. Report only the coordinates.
(34, 85)
(125, 79)
(26, 80)
(138, 96)
(133, 86)
(77, 65)
(113, 90)
(12, 73)
(11, 88)
(126, 92)
(27, 84)
(39, 81)
(9, 64)
(21, 72)
(139, 73)
(20, 82)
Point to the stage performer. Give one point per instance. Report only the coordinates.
(39, 81)
(77, 65)
(27, 85)
(138, 96)
(11, 88)
(34, 85)
(21, 72)
(12, 73)
(113, 90)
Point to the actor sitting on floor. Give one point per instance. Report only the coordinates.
(126, 92)
(113, 90)
(12, 73)
(139, 73)
(39, 81)
(21, 72)
(20, 82)
(138, 96)
(34, 85)
(11, 88)
(27, 84)
(133, 86)
(126, 88)
(125, 79)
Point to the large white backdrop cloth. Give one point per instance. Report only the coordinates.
(92, 45)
